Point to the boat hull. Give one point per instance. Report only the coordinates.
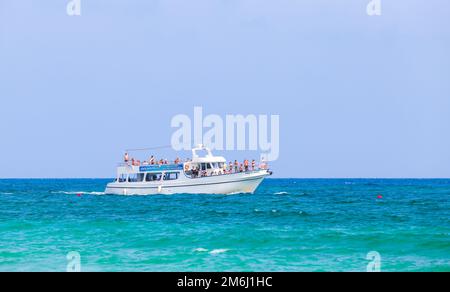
(245, 182)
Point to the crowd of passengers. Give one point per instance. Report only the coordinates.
(229, 168)
(151, 161)
(225, 168)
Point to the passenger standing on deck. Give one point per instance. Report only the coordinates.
(263, 164)
(151, 160)
(197, 172)
(253, 164)
(126, 158)
(246, 164)
(230, 166)
(241, 168)
(236, 166)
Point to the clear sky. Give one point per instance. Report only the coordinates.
(358, 96)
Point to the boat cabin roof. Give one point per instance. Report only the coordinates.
(150, 168)
(208, 158)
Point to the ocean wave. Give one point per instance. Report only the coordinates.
(79, 193)
(281, 193)
(217, 251)
(417, 202)
(6, 193)
(214, 251)
(233, 193)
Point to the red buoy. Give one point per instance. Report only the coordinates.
(380, 197)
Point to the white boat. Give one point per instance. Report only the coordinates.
(200, 175)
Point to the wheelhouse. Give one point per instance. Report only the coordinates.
(207, 165)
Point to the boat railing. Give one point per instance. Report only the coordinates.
(145, 163)
(147, 167)
(190, 175)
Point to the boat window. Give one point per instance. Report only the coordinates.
(203, 166)
(122, 177)
(208, 165)
(201, 152)
(153, 177)
(140, 177)
(171, 176)
(221, 164)
(133, 177)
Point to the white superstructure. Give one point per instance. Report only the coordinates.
(201, 175)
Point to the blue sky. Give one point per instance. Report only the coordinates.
(357, 96)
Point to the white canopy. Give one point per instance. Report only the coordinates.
(208, 158)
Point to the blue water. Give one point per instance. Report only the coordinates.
(288, 225)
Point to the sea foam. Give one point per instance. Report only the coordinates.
(217, 251)
(281, 193)
(79, 193)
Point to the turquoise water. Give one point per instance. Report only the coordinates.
(288, 225)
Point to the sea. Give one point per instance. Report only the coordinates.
(286, 225)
